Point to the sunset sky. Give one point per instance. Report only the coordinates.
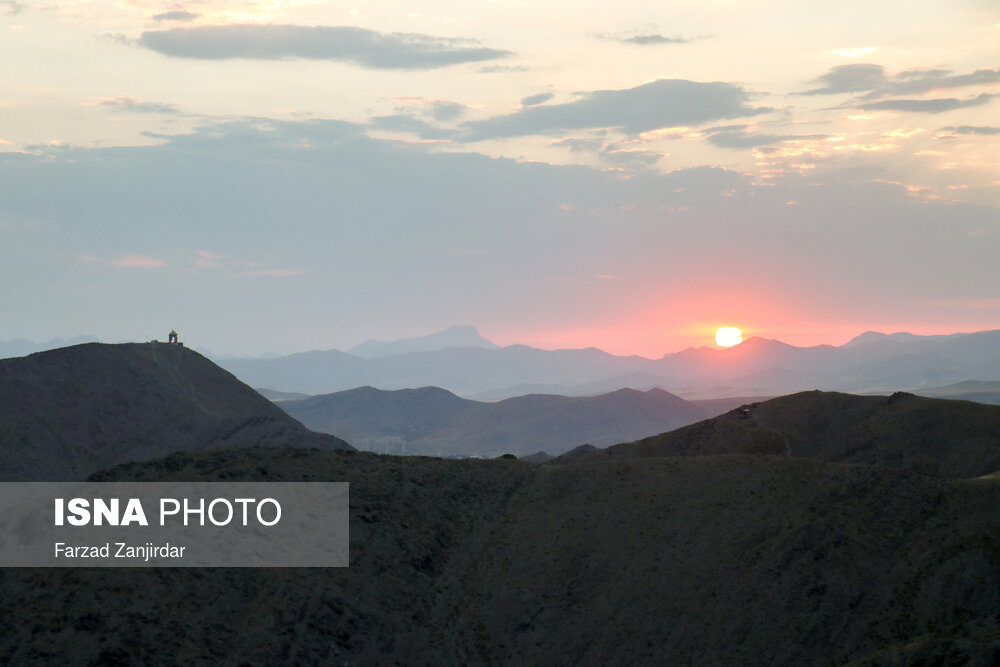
(292, 175)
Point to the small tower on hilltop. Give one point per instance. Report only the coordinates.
(173, 337)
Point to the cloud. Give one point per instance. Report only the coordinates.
(138, 262)
(137, 106)
(644, 39)
(176, 16)
(422, 117)
(626, 157)
(927, 106)
(738, 137)
(404, 122)
(425, 234)
(116, 38)
(579, 145)
(662, 103)
(532, 100)
(445, 111)
(11, 7)
(872, 80)
(207, 260)
(359, 46)
(502, 69)
(914, 82)
(849, 79)
(972, 129)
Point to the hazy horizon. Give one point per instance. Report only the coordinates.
(223, 353)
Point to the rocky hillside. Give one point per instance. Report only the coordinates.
(732, 559)
(69, 412)
(937, 437)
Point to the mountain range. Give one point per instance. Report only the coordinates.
(435, 422)
(870, 363)
(815, 528)
(68, 412)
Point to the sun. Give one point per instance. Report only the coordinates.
(728, 336)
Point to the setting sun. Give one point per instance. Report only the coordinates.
(728, 336)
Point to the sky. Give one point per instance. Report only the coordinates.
(286, 175)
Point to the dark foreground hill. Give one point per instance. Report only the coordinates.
(435, 422)
(938, 437)
(722, 560)
(69, 412)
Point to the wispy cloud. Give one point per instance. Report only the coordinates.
(127, 104)
(422, 117)
(503, 69)
(366, 48)
(176, 16)
(643, 39)
(11, 7)
(138, 262)
(972, 129)
(927, 106)
(207, 260)
(662, 103)
(873, 81)
(742, 136)
(533, 100)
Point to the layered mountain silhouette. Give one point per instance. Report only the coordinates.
(871, 363)
(69, 412)
(936, 437)
(816, 528)
(728, 559)
(436, 422)
(455, 336)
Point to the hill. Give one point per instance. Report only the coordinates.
(69, 412)
(970, 390)
(435, 422)
(732, 559)
(936, 437)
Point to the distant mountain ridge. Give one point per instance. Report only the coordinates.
(20, 347)
(871, 363)
(436, 422)
(455, 336)
(69, 412)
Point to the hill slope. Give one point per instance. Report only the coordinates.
(746, 560)
(69, 412)
(931, 436)
(435, 422)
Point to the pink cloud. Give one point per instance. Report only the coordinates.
(138, 262)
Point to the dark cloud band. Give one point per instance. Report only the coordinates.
(927, 106)
(662, 103)
(366, 48)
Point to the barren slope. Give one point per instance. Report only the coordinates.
(69, 412)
